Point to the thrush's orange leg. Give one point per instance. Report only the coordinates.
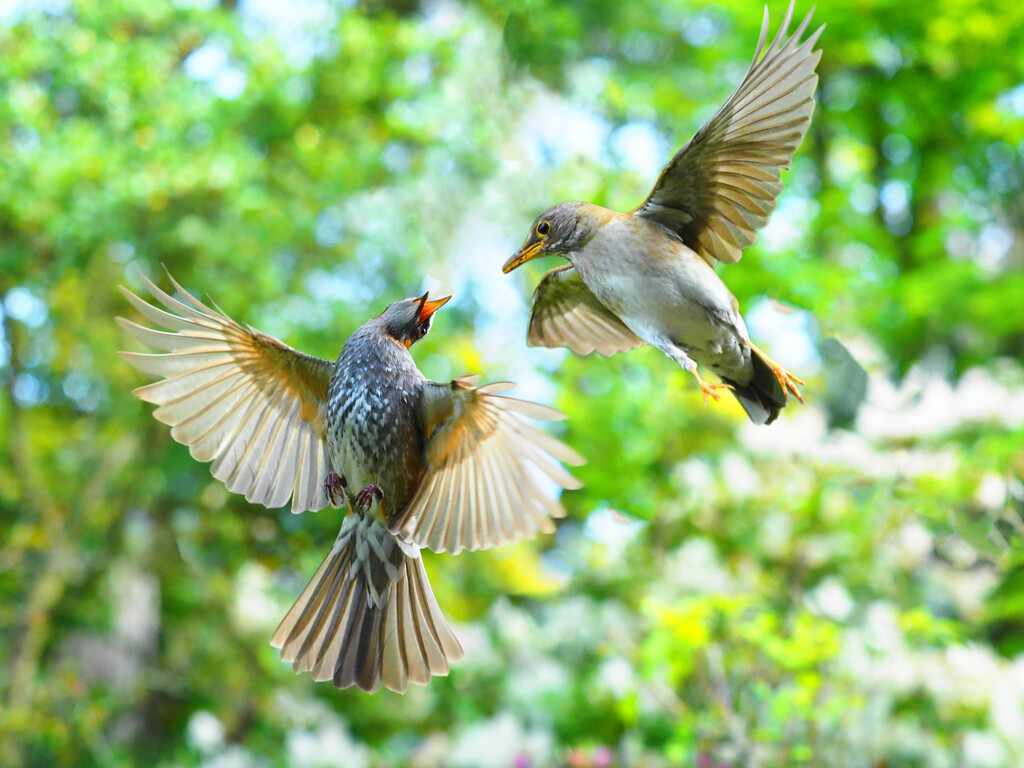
(786, 379)
(708, 389)
(675, 352)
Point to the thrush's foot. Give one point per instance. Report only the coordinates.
(786, 379)
(676, 353)
(708, 389)
(365, 497)
(334, 484)
(711, 390)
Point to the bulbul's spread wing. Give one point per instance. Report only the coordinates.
(567, 314)
(253, 406)
(480, 487)
(721, 187)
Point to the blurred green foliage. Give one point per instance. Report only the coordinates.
(844, 588)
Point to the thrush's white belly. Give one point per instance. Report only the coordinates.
(663, 291)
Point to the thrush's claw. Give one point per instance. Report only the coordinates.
(334, 485)
(710, 390)
(365, 497)
(786, 379)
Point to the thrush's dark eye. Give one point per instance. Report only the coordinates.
(543, 228)
(421, 330)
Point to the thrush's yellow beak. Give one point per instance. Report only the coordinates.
(428, 308)
(524, 254)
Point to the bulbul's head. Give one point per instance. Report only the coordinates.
(409, 320)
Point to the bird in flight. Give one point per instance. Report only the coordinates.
(447, 466)
(648, 276)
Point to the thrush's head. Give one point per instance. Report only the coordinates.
(409, 320)
(563, 229)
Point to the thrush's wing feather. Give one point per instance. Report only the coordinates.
(368, 616)
(483, 461)
(237, 397)
(722, 186)
(566, 313)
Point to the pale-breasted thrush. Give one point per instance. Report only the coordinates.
(648, 275)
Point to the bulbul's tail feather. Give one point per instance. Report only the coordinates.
(368, 616)
(763, 396)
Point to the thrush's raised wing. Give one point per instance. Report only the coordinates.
(480, 486)
(722, 186)
(566, 313)
(252, 405)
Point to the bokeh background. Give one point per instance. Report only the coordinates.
(843, 588)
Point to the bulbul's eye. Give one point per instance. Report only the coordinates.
(543, 228)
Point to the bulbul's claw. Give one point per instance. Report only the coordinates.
(334, 487)
(364, 499)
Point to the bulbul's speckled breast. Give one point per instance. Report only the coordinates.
(372, 426)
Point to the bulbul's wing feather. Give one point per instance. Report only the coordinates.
(722, 186)
(483, 461)
(253, 406)
(566, 313)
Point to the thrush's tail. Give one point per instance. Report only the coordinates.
(368, 615)
(763, 396)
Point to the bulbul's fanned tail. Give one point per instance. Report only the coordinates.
(763, 396)
(368, 616)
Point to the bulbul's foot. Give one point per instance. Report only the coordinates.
(334, 485)
(365, 497)
(786, 379)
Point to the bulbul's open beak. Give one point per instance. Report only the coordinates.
(524, 254)
(428, 308)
